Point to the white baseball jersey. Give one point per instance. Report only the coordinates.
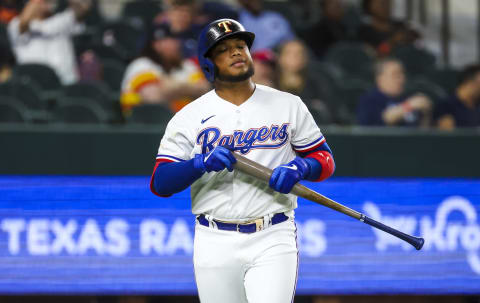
(267, 128)
(48, 42)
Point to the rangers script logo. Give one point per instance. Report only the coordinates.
(263, 137)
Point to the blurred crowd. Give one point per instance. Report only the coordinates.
(352, 63)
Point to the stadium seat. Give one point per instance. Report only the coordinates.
(3, 34)
(5, 89)
(218, 10)
(322, 88)
(29, 94)
(93, 17)
(126, 36)
(328, 74)
(352, 19)
(145, 10)
(84, 41)
(44, 76)
(79, 111)
(350, 91)
(446, 78)
(150, 114)
(113, 72)
(328, 69)
(416, 61)
(321, 113)
(427, 87)
(105, 52)
(352, 59)
(332, 80)
(97, 93)
(13, 111)
(287, 10)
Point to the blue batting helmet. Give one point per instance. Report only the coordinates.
(214, 33)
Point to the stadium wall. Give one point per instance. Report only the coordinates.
(359, 152)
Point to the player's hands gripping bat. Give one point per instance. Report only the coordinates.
(285, 176)
(216, 160)
(261, 172)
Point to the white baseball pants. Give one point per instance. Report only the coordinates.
(233, 267)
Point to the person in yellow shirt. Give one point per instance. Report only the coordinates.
(161, 75)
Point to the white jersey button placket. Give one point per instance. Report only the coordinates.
(239, 122)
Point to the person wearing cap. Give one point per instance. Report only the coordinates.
(264, 62)
(161, 75)
(245, 247)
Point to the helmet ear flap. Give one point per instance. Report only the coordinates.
(208, 69)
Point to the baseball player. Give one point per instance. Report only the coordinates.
(245, 247)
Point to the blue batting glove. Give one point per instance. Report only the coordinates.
(216, 160)
(286, 176)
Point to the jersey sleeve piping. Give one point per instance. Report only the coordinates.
(310, 146)
(168, 158)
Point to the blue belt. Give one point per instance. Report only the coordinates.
(246, 228)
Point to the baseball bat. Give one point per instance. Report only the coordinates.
(263, 173)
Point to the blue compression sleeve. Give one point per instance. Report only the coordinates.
(315, 169)
(173, 177)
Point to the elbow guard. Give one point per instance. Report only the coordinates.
(326, 161)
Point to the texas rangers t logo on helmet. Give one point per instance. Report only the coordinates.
(225, 25)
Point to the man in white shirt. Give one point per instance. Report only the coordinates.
(39, 36)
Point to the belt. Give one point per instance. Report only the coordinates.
(247, 227)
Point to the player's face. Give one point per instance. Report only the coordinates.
(232, 60)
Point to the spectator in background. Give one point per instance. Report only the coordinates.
(161, 75)
(264, 66)
(214, 10)
(463, 108)
(185, 21)
(271, 28)
(9, 9)
(294, 76)
(39, 36)
(329, 29)
(7, 62)
(381, 31)
(387, 103)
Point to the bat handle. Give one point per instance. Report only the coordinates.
(414, 241)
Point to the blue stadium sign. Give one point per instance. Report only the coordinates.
(110, 235)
